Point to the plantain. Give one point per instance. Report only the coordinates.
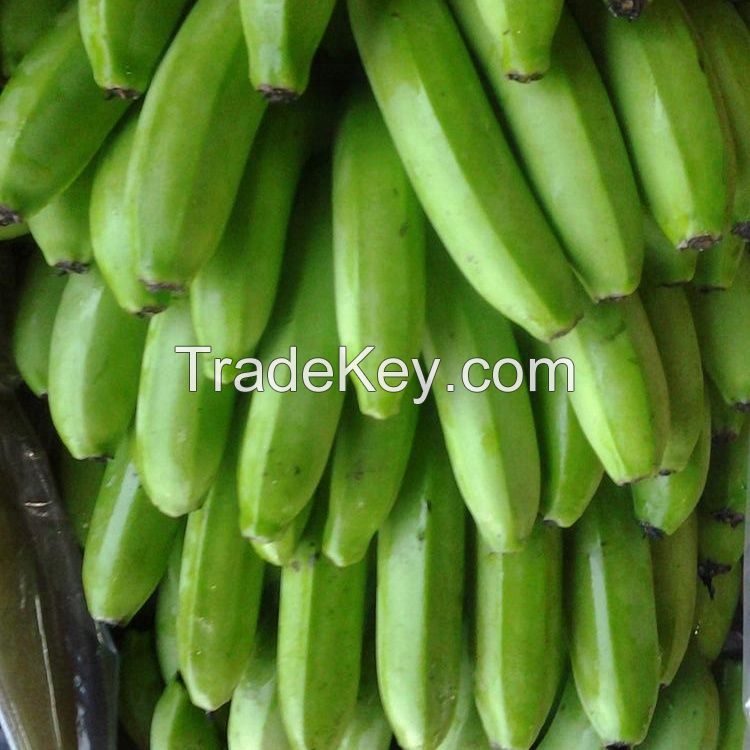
(177, 724)
(715, 610)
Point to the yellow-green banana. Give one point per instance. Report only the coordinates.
(282, 37)
(180, 433)
(22, 23)
(178, 724)
(182, 179)
(53, 119)
(280, 551)
(124, 40)
(663, 263)
(663, 99)
(732, 725)
(419, 597)
(79, 483)
(368, 465)
(95, 357)
(675, 565)
(717, 267)
(715, 610)
(289, 434)
(726, 421)
(460, 165)
(567, 137)
(570, 727)
(167, 608)
(620, 394)
(520, 644)
(35, 317)
(128, 545)
(490, 435)
(612, 625)
(379, 248)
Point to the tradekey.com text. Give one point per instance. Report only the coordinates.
(317, 374)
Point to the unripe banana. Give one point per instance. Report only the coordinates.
(620, 395)
(570, 727)
(369, 461)
(289, 434)
(167, 608)
(282, 37)
(715, 610)
(233, 294)
(280, 551)
(675, 565)
(178, 724)
(612, 625)
(379, 248)
(722, 319)
(571, 147)
(732, 724)
(726, 421)
(664, 264)
(53, 119)
(721, 544)
(653, 72)
(419, 597)
(22, 23)
(79, 483)
(717, 268)
(35, 317)
(182, 180)
(128, 545)
(460, 164)
(180, 434)
(124, 40)
(95, 357)
(520, 645)
(729, 477)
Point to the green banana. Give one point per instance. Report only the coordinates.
(612, 625)
(715, 609)
(674, 331)
(721, 321)
(280, 551)
(379, 248)
(233, 294)
(289, 434)
(663, 98)
(124, 40)
(570, 727)
(141, 685)
(35, 317)
(717, 268)
(662, 503)
(179, 725)
(79, 483)
(568, 140)
(22, 23)
(167, 609)
(282, 37)
(180, 434)
(420, 584)
(53, 119)
(182, 180)
(728, 483)
(220, 585)
(520, 645)
(460, 165)
(726, 422)
(664, 264)
(620, 395)
(490, 435)
(114, 253)
(95, 356)
(128, 545)
(369, 461)
(721, 544)
(675, 564)
(321, 623)
(732, 724)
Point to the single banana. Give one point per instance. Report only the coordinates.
(79, 483)
(124, 40)
(233, 294)
(571, 148)
(368, 465)
(663, 99)
(721, 319)
(420, 583)
(728, 483)
(22, 23)
(321, 622)
(180, 434)
(460, 165)
(620, 394)
(35, 317)
(128, 545)
(178, 724)
(664, 264)
(612, 625)
(717, 268)
(280, 551)
(662, 503)
(726, 421)
(167, 608)
(95, 357)
(282, 37)
(289, 434)
(732, 724)
(570, 727)
(490, 436)
(675, 564)
(520, 644)
(182, 180)
(715, 610)
(674, 331)
(721, 544)
(114, 253)
(379, 248)
(53, 119)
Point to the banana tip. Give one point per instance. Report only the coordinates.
(651, 531)
(708, 570)
(155, 287)
(122, 92)
(9, 217)
(278, 94)
(518, 77)
(742, 229)
(700, 242)
(629, 10)
(71, 266)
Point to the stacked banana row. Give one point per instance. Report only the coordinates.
(500, 566)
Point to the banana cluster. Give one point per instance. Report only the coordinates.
(451, 180)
